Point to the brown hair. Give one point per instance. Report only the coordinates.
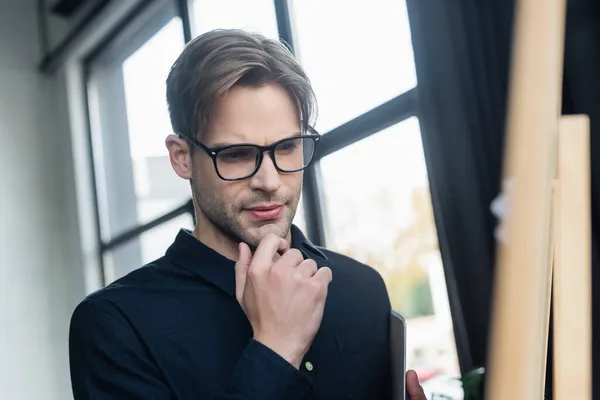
(216, 61)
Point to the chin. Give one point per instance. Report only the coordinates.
(256, 232)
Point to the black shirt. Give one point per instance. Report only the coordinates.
(174, 330)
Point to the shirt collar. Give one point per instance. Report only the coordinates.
(189, 253)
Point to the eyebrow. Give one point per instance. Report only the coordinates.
(223, 144)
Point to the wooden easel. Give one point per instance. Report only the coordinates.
(548, 228)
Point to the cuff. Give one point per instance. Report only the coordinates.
(263, 374)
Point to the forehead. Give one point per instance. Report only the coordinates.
(253, 114)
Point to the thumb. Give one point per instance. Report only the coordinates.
(413, 387)
(241, 271)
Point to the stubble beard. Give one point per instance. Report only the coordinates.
(226, 218)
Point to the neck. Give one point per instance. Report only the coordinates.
(211, 237)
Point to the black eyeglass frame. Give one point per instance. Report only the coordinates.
(213, 152)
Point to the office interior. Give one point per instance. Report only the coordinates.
(408, 178)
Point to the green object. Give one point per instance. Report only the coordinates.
(472, 383)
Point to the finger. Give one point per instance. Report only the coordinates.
(284, 246)
(276, 257)
(241, 270)
(414, 389)
(307, 268)
(290, 259)
(324, 274)
(266, 250)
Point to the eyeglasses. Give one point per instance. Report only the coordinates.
(241, 161)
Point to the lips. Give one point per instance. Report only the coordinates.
(266, 212)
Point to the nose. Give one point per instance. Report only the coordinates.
(267, 177)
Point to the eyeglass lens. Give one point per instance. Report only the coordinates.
(290, 155)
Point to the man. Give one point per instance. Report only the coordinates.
(243, 307)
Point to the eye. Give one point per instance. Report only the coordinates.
(237, 154)
(288, 146)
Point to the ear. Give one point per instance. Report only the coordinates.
(180, 156)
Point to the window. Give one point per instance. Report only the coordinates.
(379, 212)
(129, 123)
(147, 247)
(358, 54)
(255, 15)
(157, 188)
(299, 219)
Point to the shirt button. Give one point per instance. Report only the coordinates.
(308, 365)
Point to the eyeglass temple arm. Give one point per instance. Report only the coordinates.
(191, 140)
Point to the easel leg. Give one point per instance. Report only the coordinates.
(519, 327)
(572, 268)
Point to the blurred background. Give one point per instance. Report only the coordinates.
(412, 100)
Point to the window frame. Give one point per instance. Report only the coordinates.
(134, 30)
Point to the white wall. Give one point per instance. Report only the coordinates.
(41, 278)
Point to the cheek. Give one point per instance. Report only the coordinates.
(215, 190)
(293, 182)
(206, 182)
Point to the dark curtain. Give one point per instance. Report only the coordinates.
(461, 53)
(462, 56)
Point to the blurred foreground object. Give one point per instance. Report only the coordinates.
(549, 212)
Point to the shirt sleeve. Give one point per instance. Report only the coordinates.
(108, 360)
(263, 374)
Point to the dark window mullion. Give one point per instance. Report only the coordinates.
(311, 195)
(183, 10)
(313, 206)
(388, 114)
(284, 22)
(94, 184)
(369, 123)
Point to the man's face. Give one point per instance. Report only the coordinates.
(248, 209)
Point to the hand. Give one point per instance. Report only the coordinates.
(283, 297)
(413, 387)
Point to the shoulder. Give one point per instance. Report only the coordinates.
(94, 315)
(104, 339)
(113, 302)
(350, 268)
(136, 281)
(358, 300)
(356, 279)
(103, 305)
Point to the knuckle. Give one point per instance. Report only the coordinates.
(255, 272)
(252, 278)
(295, 253)
(292, 256)
(310, 267)
(297, 276)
